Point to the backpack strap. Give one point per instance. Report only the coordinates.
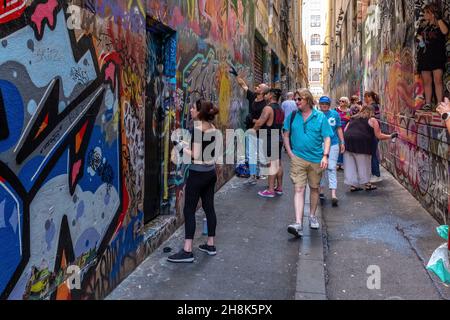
(293, 114)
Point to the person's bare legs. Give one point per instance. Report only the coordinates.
(314, 199)
(280, 177)
(438, 85)
(188, 245)
(333, 193)
(299, 204)
(272, 183)
(428, 85)
(272, 174)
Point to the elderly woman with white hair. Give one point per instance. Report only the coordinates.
(344, 112)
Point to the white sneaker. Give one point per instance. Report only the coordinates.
(375, 179)
(296, 229)
(250, 181)
(314, 222)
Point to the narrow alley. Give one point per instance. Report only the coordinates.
(387, 228)
(119, 118)
(258, 260)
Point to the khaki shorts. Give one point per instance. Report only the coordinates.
(303, 172)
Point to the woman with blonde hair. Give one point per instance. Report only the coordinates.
(359, 136)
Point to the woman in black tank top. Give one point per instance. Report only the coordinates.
(359, 135)
(200, 183)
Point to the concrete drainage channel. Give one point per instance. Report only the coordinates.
(311, 272)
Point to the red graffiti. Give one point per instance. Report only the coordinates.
(125, 203)
(44, 11)
(11, 10)
(112, 61)
(76, 170)
(110, 72)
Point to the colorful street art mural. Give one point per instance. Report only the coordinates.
(84, 92)
(211, 37)
(66, 194)
(419, 159)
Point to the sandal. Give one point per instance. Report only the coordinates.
(354, 189)
(370, 187)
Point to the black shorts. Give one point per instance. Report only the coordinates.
(430, 64)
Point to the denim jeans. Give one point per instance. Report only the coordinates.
(331, 170)
(251, 143)
(375, 160)
(340, 159)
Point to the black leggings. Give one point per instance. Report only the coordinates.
(200, 185)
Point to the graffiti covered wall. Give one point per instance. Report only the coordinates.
(81, 90)
(419, 159)
(211, 36)
(69, 192)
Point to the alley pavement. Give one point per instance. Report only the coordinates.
(385, 230)
(257, 259)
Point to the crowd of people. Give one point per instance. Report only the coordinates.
(317, 138)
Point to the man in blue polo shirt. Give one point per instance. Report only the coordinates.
(307, 141)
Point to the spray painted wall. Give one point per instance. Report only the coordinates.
(70, 90)
(419, 159)
(74, 87)
(210, 36)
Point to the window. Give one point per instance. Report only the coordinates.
(315, 74)
(315, 21)
(315, 39)
(258, 62)
(315, 55)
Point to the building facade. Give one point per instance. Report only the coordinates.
(373, 47)
(314, 31)
(279, 59)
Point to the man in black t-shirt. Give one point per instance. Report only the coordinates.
(256, 101)
(256, 106)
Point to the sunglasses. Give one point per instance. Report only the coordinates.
(300, 99)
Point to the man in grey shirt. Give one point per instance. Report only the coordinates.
(289, 104)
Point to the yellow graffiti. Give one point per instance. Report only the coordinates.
(139, 4)
(191, 6)
(224, 98)
(132, 86)
(170, 115)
